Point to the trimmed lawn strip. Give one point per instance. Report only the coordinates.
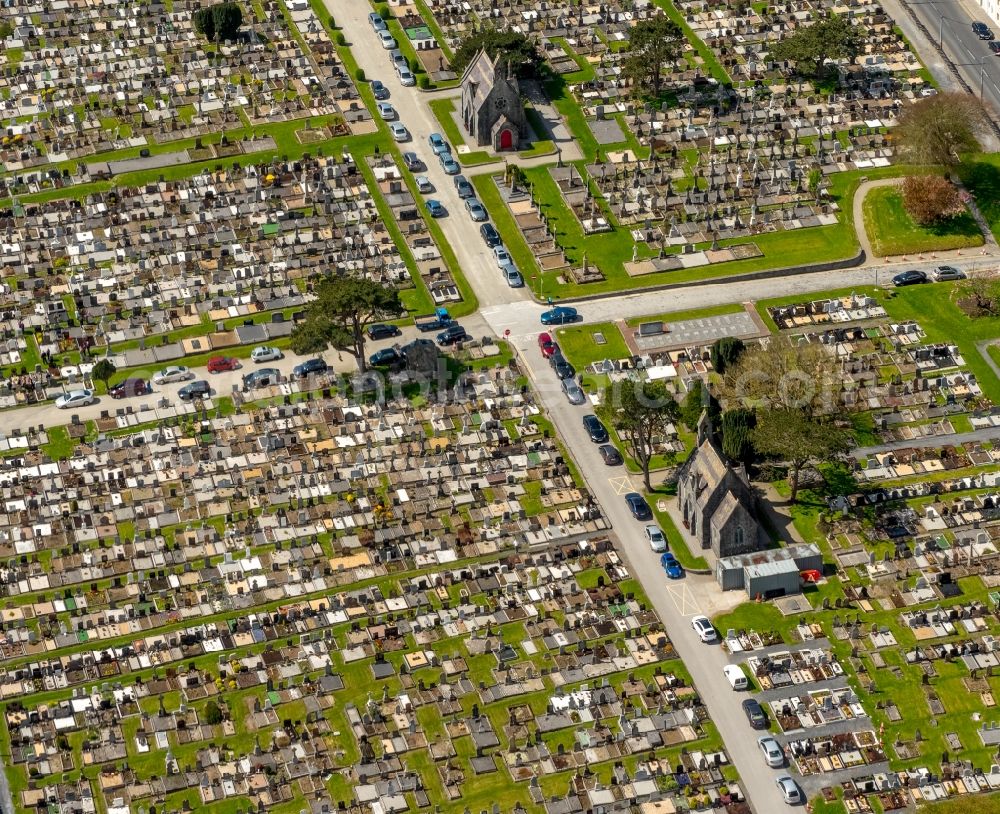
(692, 313)
(892, 231)
(579, 347)
(442, 110)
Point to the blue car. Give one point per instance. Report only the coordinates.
(438, 144)
(671, 566)
(559, 315)
(435, 209)
(638, 506)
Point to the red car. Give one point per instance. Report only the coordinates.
(220, 364)
(547, 345)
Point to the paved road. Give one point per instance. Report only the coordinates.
(675, 601)
(991, 434)
(949, 22)
(474, 256)
(48, 415)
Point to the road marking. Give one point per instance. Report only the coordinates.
(622, 486)
(684, 600)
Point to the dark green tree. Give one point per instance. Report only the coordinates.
(791, 436)
(697, 400)
(204, 23)
(339, 314)
(654, 45)
(515, 49)
(833, 38)
(640, 413)
(727, 351)
(102, 371)
(213, 714)
(228, 19)
(737, 427)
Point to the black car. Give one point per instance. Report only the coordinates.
(995, 47)
(982, 31)
(310, 367)
(610, 455)
(563, 369)
(638, 506)
(595, 429)
(128, 387)
(911, 277)
(463, 187)
(452, 335)
(198, 389)
(490, 235)
(755, 714)
(386, 356)
(380, 330)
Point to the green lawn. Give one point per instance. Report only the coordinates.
(981, 176)
(579, 347)
(893, 232)
(443, 110)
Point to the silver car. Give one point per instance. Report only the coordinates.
(174, 373)
(573, 391)
(945, 273)
(774, 755)
(789, 790)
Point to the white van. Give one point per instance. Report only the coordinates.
(735, 676)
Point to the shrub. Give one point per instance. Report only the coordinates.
(423, 81)
(359, 74)
(331, 22)
(383, 12)
(340, 38)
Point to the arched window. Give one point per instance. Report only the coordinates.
(738, 537)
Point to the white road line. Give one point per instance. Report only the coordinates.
(684, 600)
(622, 486)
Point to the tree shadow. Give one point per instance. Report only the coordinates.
(982, 179)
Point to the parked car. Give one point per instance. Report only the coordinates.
(945, 273)
(449, 164)
(388, 41)
(562, 367)
(386, 111)
(911, 277)
(174, 373)
(441, 319)
(756, 716)
(774, 755)
(789, 790)
(406, 77)
(377, 23)
(573, 391)
(413, 162)
(463, 187)
(559, 315)
(220, 364)
(132, 386)
(982, 31)
(380, 90)
(424, 184)
(547, 345)
(265, 353)
(75, 398)
(595, 429)
(512, 276)
(476, 210)
(703, 627)
(438, 144)
(638, 506)
(380, 330)
(198, 389)
(264, 377)
(670, 565)
(610, 455)
(310, 367)
(501, 255)
(435, 209)
(995, 46)
(452, 335)
(657, 541)
(490, 234)
(386, 356)
(399, 131)
(399, 62)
